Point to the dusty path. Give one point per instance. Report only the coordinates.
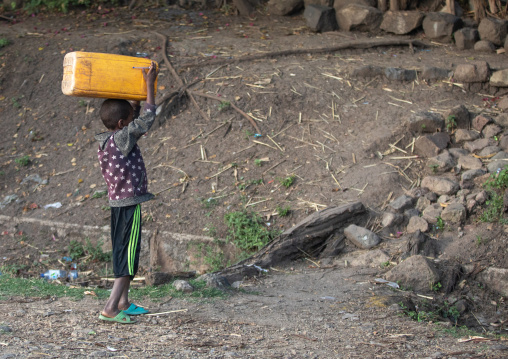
(300, 313)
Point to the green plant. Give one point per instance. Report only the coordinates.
(439, 224)
(451, 123)
(283, 211)
(478, 240)
(224, 105)
(76, 250)
(209, 203)
(214, 257)
(258, 162)
(82, 103)
(436, 287)
(495, 185)
(434, 167)
(105, 208)
(247, 230)
(23, 161)
(287, 181)
(385, 264)
(95, 252)
(248, 134)
(15, 102)
(99, 194)
(3, 42)
(450, 312)
(211, 230)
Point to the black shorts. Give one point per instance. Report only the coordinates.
(126, 240)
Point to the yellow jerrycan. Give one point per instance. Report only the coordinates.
(92, 74)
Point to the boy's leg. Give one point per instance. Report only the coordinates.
(125, 237)
(111, 309)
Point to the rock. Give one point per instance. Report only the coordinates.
(503, 102)
(472, 174)
(480, 121)
(440, 185)
(401, 22)
(368, 71)
(356, 17)
(443, 199)
(365, 259)
(502, 120)
(435, 73)
(470, 205)
(457, 152)
(5, 329)
(491, 130)
(418, 192)
(328, 3)
(476, 71)
(284, 7)
(442, 162)
(489, 150)
(478, 145)
(481, 197)
(425, 122)
(411, 212)
(34, 178)
(417, 223)
(395, 74)
(457, 117)
(465, 38)
(497, 165)
(494, 278)
(431, 145)
(422, 203)
(461, 306)
(431, 196)
(183, 286)
(215, 281)
(484, 46)
(454, 213)
(432, 213)
(320, 18)
(469, 163)
(391, 219)
(361, 237)
(339, 4)
(462, 135)
(503, 143)
(416, 273)
(499, 78)
(237, 284)
(401, 203)
(244, 7)
(440, 26)
(493, 30)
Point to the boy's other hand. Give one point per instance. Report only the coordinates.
(150, 75)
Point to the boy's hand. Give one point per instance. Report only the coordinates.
(150, 76)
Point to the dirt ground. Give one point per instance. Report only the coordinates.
(317, 123)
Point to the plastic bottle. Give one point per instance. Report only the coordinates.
(73, 274)
(53, 274)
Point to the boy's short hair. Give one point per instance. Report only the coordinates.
(114, 110)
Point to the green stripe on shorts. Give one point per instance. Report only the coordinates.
(133, 241)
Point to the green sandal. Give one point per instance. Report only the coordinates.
(121, 318)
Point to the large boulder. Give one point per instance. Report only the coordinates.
(499, 78)
(440, 26)
(466, 38)
(401, 22)
(359, 18)
(416, 273)
(493, 30)
(339, 4)
(284, 7)
(320, 18)
(476, 71)
(361, 237)
(440, 185)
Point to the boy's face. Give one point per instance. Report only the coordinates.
(125, 122)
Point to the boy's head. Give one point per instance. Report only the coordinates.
(116, 114)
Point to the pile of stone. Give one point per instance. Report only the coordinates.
(363, 15)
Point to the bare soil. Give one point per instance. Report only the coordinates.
(317, 123)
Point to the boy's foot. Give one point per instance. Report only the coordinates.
(121, 318)
(135, 310)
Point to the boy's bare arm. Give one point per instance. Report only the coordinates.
(150, 78)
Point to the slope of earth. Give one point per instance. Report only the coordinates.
(318, 125)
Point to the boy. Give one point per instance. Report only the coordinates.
(125, 174)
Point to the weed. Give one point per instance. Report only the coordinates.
(439, 224)
(15, 102)
(495, 185)
(247, 230)
(3, 42)
(258, 162)
(224, 105)
(82, 103)
(99, 194)
(248, 134)
(434, 167)
(287, 181)
(76, 250)
(283, 211)
(478, 240)
(211, 230)
(23, 161)
(214, 257)
(105, 208)
(2, 173)
(209, 203)
(385, 264)
(436, 287)
(451, 123)
(95, 251)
